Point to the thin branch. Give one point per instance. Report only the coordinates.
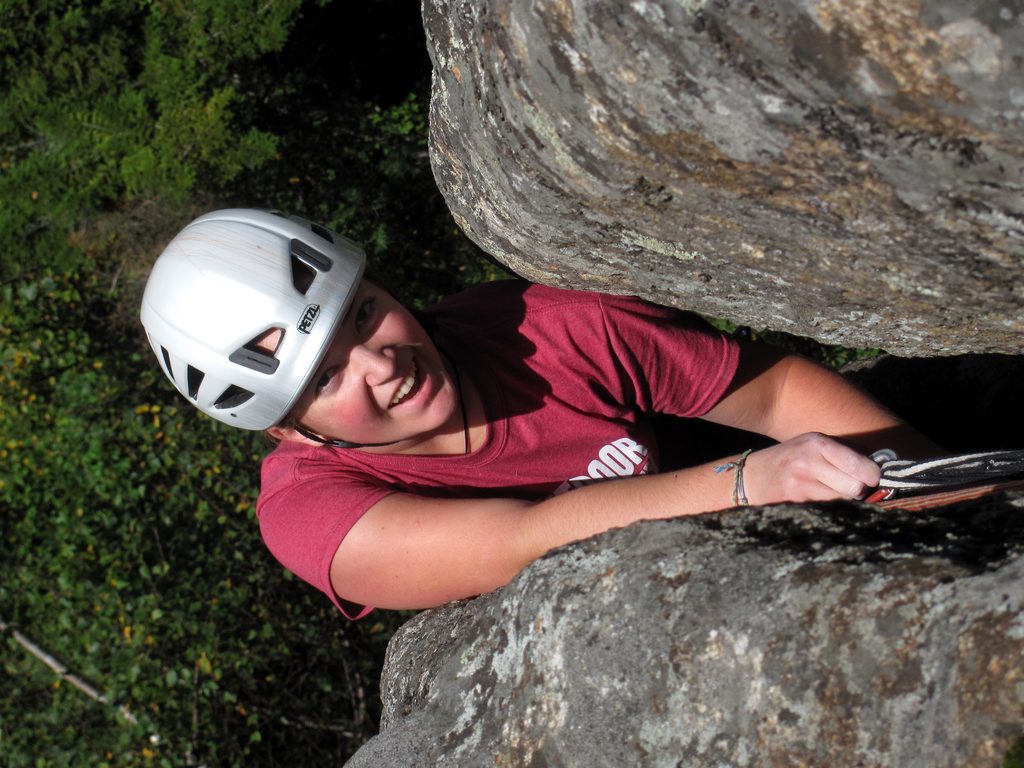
(37, 227)
(14, 148)
(116, 277)
(64, 673)
(305, 722)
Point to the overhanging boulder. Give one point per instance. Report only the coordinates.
(839, 635)
(850, 171)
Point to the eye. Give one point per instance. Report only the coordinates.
(365, 313)
(325, 379)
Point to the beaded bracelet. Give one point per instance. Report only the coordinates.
(739, 495)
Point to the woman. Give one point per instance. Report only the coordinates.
(426, 459)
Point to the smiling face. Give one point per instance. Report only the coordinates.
(381, 381)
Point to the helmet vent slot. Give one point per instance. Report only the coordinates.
(258, 353)
(167, 362)
(325, 234)
(306, 263)
(194, 378)
(302, 276)
(232, 397)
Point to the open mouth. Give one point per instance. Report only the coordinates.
(407, 387)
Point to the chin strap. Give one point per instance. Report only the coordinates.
(334, 443)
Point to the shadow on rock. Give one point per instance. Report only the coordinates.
(979, 535)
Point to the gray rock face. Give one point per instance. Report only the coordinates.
(839, 636)
(850, 171)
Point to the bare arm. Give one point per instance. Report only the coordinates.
(413, 552)
(797, 402)
(783, 396)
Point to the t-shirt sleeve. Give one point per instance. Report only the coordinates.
(673, 361)
(305, 510)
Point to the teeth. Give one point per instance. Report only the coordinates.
(406, 387)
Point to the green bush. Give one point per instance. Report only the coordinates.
(132, 555)
(103, 101)
(1015, 756)
(131, 549)
(367, 175)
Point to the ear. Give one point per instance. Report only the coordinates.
(287, 433)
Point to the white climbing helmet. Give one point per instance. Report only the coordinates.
(228, 279)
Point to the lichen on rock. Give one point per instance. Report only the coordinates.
(836, 635)
(869, 154)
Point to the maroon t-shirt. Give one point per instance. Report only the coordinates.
(567, 379)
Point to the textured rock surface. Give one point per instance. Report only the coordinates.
(783, 636)
(847, 170)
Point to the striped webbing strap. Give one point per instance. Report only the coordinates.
(902, 475)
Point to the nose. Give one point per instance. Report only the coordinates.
(375, 365)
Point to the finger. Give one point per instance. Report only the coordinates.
(824, 492)
(806, 476)
(840, 483)
(851, 463)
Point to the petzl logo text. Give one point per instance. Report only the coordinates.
(309, 318)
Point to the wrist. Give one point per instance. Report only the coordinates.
(736, 466)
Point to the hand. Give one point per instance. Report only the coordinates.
(810, 467)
